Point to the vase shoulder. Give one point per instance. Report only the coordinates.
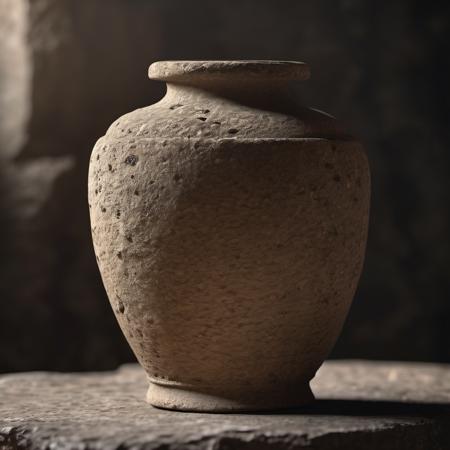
(228, 99)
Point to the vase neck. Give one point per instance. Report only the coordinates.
(268, 96)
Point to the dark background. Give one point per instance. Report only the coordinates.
(68, 68)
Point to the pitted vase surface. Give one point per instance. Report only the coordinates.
(229, 225)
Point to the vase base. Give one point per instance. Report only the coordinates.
(180, 398)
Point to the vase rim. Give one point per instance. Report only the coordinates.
(248, 70)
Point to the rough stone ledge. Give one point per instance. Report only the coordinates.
(361, 405)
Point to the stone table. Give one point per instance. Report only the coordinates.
(361, 405)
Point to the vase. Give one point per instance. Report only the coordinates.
(229, 225)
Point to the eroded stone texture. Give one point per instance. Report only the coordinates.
(361, 405)
(230, 262)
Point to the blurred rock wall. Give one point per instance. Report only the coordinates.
(68, 68)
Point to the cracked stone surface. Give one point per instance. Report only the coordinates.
(370, 405)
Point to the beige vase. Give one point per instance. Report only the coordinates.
(229, 225)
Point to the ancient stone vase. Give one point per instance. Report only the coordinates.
(229, 225)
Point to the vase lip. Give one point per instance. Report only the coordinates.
(245, 70)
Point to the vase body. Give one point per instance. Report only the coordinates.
(229, 225)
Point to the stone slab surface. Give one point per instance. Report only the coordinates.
(361, 405)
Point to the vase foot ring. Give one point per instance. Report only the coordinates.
(185, 399)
